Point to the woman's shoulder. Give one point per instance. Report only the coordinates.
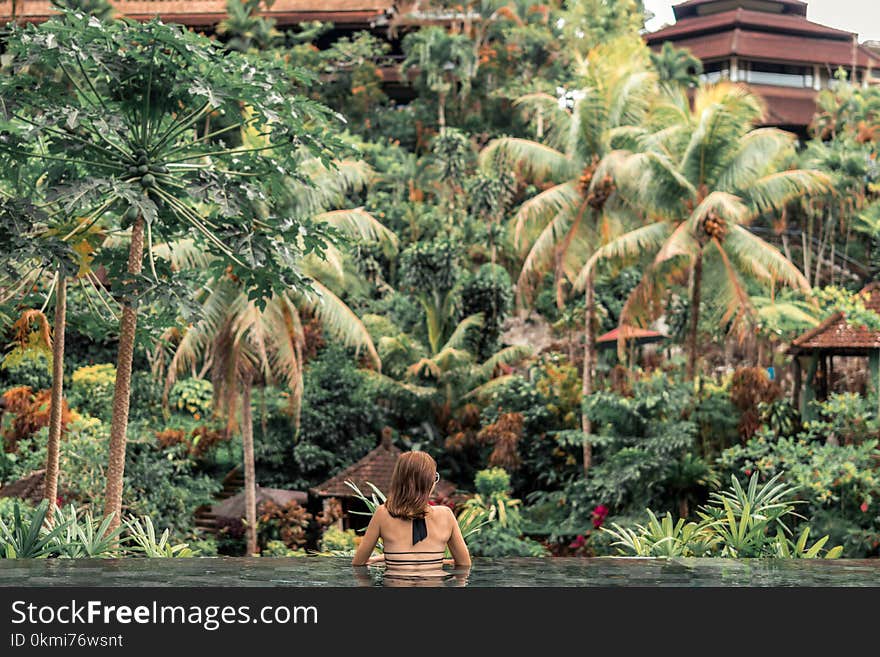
(442, 511)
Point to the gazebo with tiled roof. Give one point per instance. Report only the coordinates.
(816, 349)
(376, 468)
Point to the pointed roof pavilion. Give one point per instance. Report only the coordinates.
(376, 467)
(836, 336)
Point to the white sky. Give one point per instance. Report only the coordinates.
(861, 16)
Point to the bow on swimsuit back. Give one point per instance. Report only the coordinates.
(408, 562)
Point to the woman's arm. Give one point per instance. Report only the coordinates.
(457, 546)
(368, 542)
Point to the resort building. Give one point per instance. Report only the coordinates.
(771, 46)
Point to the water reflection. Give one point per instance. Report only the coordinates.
(327, 571)
(378, 576)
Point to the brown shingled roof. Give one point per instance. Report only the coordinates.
(836, 335)
(376, 467)
(764, 21)
(234, 507)
(29, 488)
(204, 13)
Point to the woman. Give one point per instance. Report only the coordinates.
(414, 534)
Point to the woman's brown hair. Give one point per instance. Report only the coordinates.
(411, 484)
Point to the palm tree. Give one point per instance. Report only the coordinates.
(445, 62)
(563, 225)
(248, 346)
(37, 238)
(677, 66)
(135, 93)
(703, 174)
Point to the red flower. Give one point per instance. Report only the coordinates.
(578, 542)
(748, 472)
(599, 514)
(59, 501)
(864, 507)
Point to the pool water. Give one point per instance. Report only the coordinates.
(328, 571)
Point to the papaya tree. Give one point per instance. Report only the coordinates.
(148, 118)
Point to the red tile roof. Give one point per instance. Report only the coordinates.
(764, 21)
(835, 334)
(692, 7)
(779, 47)
(630, 333)
(787, 106)
(376, 467)
(234, 507)
(203, 13)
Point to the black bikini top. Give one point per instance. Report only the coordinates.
(419, 530)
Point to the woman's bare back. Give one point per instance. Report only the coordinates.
(424, 558)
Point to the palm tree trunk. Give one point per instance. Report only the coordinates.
(694, 319)
(50, 492)
(122, 389)
(250, 484)
(441, 112)
(587, 386)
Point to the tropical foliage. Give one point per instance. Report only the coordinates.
(562, 264)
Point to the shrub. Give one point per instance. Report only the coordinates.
(838, 484)
(287, 524)
(488, 291)
(337, 540)
(193, 397)
(738, 523)
(91, 390)
(503, 536)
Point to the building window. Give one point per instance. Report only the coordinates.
(777, 75)
(715, 71)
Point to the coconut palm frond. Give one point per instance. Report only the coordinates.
(449, 359)
(360, 224)
(627, 248)
(546, 111)
(532, 159)
(733, 296)
(724, 114)
(645, 302)
(775, 312)
(507, 356)
(541, 208)
(329, 269)
(285, 328)
(762, 260)
(183, 254)
(680, 243)
(654, 183)
(726, 206)
(341, 321)
(458, 339)
(543, 250)
(425, 368)
(758, 150)
(483, 391)
(631, 98)
(772, 192)
(384, 381)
